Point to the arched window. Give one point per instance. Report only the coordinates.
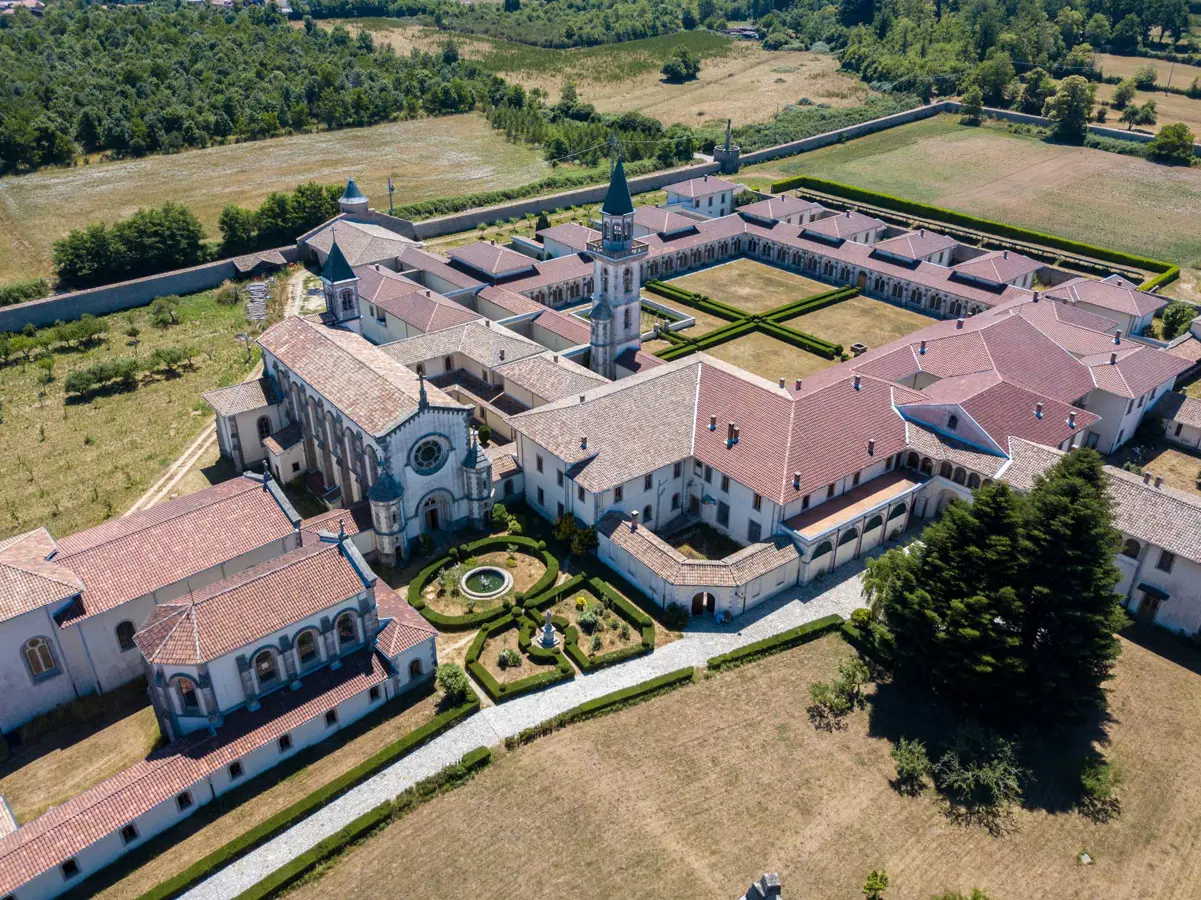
(822, 549)
(960, 475)
(264, 428)
(1131, 548)
(897, 511)
(873, 523)
(264, 668)
(848, 536)
(604, 279)
(626, 320)
(646, 513)
(189, 699)
(347, 301)
(626, 280)
(927, 466)
(675, 501)
(39, 657)
(952, 422)
(912, 462)
(306, 648)
(945, 469)
(346, 631)
(973, 481)
(125, 636)
(415, 669)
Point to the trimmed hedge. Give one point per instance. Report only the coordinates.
(426, 789)
(811, 304)
(473, 620)
(289, 816)
(794, 637)
(694, 300)
(498, 692)
(1001, 229)
(605, 704)
(626, 611)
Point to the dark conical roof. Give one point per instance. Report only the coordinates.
(385, 490)
(617, 200)
(336, 267)
(352, 192)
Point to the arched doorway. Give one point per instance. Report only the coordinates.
(862, 283)
(435, 512)
(703, 603)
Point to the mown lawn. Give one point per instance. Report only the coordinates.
(752, 286)
(71, 465)
(862, 319)
(696, 793)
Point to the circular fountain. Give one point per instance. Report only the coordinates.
(486, 582)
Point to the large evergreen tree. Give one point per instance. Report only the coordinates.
(1007, 607)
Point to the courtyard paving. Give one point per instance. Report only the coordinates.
(839, 592)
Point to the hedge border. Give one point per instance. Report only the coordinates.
(810, 304)
(292, 871)
(498, 692)
(625, 610)
(483, 617)
(290, 815)
(693, 299)
(785, 640)
(1166, 271)
(599, 706)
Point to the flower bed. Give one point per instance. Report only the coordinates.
(598, 595)
(525, 628)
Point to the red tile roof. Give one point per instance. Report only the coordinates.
(1131, 370)
(515, 303)
(244, 608)
(67, 830)
(570, 234)
(241, 397)
(844, 224)
(126, 558)
(999, 266)
(1178, 407)
(1117, 295)
(777, 208)
(565, 325)
(659, 220)
(28, 580)
(493, 259)
(917, 244)
(354, 519)
(701, 187)
(554, 271)
(409, 301)
(407, 627)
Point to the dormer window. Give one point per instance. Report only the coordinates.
(188, 697)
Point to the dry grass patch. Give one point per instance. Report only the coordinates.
(1178, 465)
(695, 793)
(702, 541)
(769, 358)
(752, 286)
(1126, 66)
(872, 322)
(1170, 108)
(73, 465)
(426, 158)
(281, 787)
(1090, 195)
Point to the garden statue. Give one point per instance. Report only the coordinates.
(548, 633)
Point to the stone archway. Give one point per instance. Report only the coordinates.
(703, 603)
(434, 512)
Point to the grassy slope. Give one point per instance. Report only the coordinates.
(1090, 195)
(70, 466)
(695, 794)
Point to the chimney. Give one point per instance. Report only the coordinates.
(1146, 477)
(502, 355)
(713, 423)
(1117, 336)
(1072, 419)
(858, 381)
(581, 398)
(1036, 296)
(555, 358)
(487, 323)
(1004, 254)
(427, 293)
(781, 381)
(798, 384)
(959, 323)
(922, 232)
(1038, 410)
(1113, 359)
(634, 520)
(796, 481)
(871, 447)
(922, 349)
(729, 433)
(737, 433)
(1159, 481)
(583, 442)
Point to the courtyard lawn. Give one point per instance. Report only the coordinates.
(1089, 195)
(701, 541)
(73, 465)
(769, 358)
(278, 789)
(426, 158)
(860, 319)
(752, 286)
(50, 769)
(696, 793)
(1179, 466)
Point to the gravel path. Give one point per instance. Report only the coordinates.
(492, 725)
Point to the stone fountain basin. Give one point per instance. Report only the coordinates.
(486, 582)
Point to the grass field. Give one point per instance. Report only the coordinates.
(738, 80)
(426, 158)
(1125, 66)
(770, 358)
(872, 322)
(1170, 108)
(696, 793)
(1103, 198)
(750, 285)
(72, 465)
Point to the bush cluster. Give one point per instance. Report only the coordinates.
(833, 700)
(23, 291)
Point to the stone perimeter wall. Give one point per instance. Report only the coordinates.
(128, 294)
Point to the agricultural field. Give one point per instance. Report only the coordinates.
(1171, 108)
(74, 464)
(699, 791)
(1125, 66)
(426, 158)
(752, 286)
(739, 80)
(1090, 195)
(860, 319)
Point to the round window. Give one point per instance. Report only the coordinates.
(428, 456)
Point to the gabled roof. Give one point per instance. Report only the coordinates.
(1131, 370)
(777, 208)
(565, 325)
(1178, 407)
(408, 301)
(132, 556)
(512, 302)
(998, 266)
(244, 396)
(405, 627)
(241, 610)
(700, 187)
(617, 199)
(29, 580)
(361, 243)
(487, 343)
(844, 224)
(570, 234)
(424, 261)
(492, 259)
(1114, 294)
(663, 221)
(549, 378)
(362, 381)
(917, 244)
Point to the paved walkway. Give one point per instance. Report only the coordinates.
(492, 725)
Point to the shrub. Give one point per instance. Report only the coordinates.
(509, 658)
(587, 621)
(171, 359)
(164, 312)
(226, 294)
(980, 776)
(23, 291)
(595, 646)
(682, 65)
(452, 681)
(120, 373)
(861, 617)
(913, 765)
(675, 617)
(1099, 799)
(485, 434)
(832, 701)
(1176, 318)
(875, 885)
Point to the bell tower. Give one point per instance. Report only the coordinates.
(616, 302)
(341, 286)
